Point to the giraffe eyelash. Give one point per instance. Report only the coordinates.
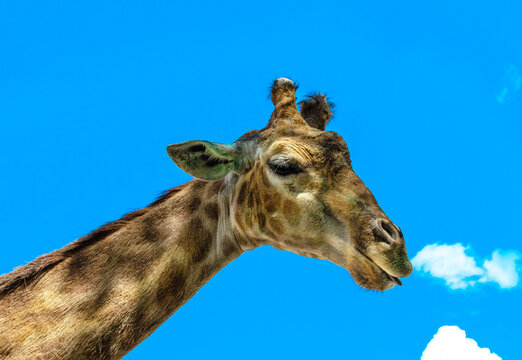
(284, 168)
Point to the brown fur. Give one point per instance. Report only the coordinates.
(293, 188)
(87, 274)
(316, 110)
(26, 274)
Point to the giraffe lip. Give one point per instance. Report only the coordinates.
(392, 278)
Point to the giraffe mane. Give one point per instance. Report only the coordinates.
(26, 274)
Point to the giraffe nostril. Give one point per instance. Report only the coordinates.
(380, 236)
(387, 232)
(388, 228)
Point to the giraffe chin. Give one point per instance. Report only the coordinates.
(369, 275)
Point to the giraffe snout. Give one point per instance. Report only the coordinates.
(394, 258)
(388, 232)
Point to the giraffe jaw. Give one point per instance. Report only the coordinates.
(381, 279)
(394, 279)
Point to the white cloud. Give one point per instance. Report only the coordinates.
(450, 343)
(448, 262)
(460, 270)
(502, 269)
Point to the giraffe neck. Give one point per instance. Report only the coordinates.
(105, 298)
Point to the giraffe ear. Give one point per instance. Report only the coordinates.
(205, 160)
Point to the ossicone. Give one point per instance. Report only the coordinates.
(316, 110)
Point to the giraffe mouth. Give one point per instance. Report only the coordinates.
(390, 277)
(395, 279)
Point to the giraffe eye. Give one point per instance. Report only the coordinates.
(284, 168)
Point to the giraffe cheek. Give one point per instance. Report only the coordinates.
(275, 226)
(292, 213)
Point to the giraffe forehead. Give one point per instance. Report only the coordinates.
(326, 149)
(293, 147)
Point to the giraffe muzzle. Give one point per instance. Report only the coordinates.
(388, 232)
(392, 257)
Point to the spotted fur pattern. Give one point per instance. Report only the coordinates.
(290, 185)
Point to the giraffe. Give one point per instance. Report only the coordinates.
(289, 185)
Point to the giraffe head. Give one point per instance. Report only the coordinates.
(292, 186)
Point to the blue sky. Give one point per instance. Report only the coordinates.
(428, 98)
